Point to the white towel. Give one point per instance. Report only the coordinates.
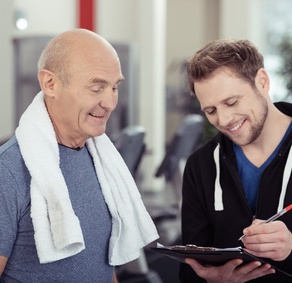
(57, 229)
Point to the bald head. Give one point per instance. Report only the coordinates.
(79, 74)
(69, 47)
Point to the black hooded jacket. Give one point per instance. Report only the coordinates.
(215, 210)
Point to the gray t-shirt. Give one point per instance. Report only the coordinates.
(16, 229)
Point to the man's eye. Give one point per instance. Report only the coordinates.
(115, 89)
(210, 112)
(97, 89)
(232, 102)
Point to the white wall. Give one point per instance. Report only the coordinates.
(6, 70)
(185, 29)
(143, 22)
(44, 18)
(118, 20)
(242, 20)
(152, 37)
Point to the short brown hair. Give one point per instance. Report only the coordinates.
(241, 56)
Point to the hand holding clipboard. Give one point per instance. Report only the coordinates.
(217, 256)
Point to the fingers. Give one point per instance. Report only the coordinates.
(258, 227)
(199, 268)
(258, 221)
(232, 271)
(194, 264)
(252, 271)
(271, 240)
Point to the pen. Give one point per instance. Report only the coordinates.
(274, 217)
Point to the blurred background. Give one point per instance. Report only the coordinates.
(154, 39)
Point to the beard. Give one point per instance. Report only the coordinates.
(256, 127)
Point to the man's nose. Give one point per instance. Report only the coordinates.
(224, 117)
(109, 100)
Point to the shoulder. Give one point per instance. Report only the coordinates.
(10, 155)
(205, 151)
(284, 107)
(9, 149)
(13, 172)
(203, 159)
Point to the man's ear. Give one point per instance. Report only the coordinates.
(262, 81)
(47, 81)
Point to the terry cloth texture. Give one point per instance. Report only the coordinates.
(57, 229)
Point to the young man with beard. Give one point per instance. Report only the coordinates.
(241, 176)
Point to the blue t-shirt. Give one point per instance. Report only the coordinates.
(16, 229)
(251, 175)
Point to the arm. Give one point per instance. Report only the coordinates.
(3, 261)
(115, 280)
(198, 228)
(270, 240)
(195, 217)
(8, 214)
(194, 223)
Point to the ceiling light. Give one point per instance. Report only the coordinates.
(21, 20)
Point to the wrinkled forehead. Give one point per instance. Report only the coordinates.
(101, 60)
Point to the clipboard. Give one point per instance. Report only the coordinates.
(210, 255)
(206, 255)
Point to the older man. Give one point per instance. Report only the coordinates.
(69, 208)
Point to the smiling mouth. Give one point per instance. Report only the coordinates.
(95, 116)
(235, 127)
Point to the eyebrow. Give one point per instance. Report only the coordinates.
(102, 81)
(223, 101)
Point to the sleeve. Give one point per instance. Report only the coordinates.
(8, 211)
(195, 224)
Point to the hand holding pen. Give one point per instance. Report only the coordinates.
(274, 217)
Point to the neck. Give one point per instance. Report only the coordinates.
(66, 140)
(75, 148)
(260, 150)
